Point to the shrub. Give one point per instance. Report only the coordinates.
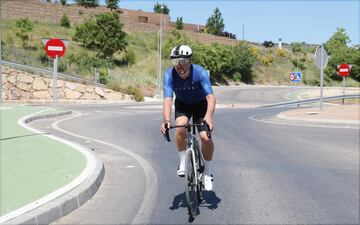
(88, 3)
(130, 57)
(138, 95)
(267, 60)
(65, 21)
(255, 52)
(103, 76)
(23, 27)
(282, 52)
(237, 76)
(298, 64)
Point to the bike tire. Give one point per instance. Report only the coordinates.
(191, 189)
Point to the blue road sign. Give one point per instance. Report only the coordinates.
(295, 76)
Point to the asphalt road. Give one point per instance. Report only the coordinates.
(265, 173)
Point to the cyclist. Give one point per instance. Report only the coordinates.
(194, 97)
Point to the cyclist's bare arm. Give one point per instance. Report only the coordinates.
(211, 102)
(167, 104)
(167, 108)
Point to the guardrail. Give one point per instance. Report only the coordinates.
(314, 100)
(46, 72)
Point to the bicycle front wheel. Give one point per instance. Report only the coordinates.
(191, 187)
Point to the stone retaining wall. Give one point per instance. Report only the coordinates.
(19, 85)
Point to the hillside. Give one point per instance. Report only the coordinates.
(271, 66)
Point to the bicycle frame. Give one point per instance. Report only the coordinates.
(193, 155)
(193, 146)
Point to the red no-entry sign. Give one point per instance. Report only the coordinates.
(344, 70)
(55, 47)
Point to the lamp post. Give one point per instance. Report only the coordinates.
(160, 45)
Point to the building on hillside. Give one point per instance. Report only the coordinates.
(133, 20)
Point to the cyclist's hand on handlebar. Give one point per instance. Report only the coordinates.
(209, 121)
(210, 126)
(164, 126)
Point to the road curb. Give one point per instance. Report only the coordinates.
(68, 202)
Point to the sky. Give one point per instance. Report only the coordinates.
(310, 21)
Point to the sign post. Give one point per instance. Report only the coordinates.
(321, 59)
(344, 71)
(55, 48)
(295, 77)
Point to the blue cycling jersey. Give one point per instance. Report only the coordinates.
(193, 89)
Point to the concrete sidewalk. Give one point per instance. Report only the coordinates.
(38, 171)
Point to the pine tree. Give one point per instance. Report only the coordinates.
(215, 24)
(161, 8)
(179, 23)
(112, 4)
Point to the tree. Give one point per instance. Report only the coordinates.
(63, 2)
(23, 27)
(215, 24)
(112, 4)
(161, 8)
(268, 44)
(179, 23)
(243, 61)
(88, 3)
(65, 21)
(337, 47)
(337, 40)
(103, 34)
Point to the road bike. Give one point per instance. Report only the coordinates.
(194, 167)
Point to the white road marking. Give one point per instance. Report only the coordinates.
(149, 199)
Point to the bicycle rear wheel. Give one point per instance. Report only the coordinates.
(191, 189)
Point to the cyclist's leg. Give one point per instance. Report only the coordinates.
(207, 145)
(181, 118)
(180, 133)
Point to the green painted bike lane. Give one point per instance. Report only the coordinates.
(31, 164)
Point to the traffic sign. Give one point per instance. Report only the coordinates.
(321, 57)
(344, 70)
(295, 77)
(55, 47)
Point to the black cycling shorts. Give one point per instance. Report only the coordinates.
(196, 110)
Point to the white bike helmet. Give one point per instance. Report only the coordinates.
(181, 51)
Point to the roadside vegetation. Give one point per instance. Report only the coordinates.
(129, 61)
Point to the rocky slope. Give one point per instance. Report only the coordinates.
(26, 87)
